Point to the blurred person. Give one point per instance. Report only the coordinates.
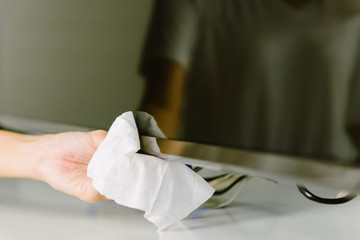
(274, 76)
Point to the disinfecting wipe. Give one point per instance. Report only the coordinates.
(165, 190)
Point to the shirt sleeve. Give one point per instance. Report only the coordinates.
(172, 31)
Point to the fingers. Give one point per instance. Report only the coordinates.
(94, 199)
(92, 196)
(97, 137)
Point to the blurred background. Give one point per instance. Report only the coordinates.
(65, 61)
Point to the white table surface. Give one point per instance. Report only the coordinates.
(263, 210)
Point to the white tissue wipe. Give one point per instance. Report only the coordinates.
(167, 191)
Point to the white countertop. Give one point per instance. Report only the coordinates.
(264, 210)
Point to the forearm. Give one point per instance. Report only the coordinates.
(167, 119)
(163, 99)
(19, 154)
(163, 96)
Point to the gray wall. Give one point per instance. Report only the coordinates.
(72, 61)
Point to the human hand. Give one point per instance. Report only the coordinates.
(63, 163)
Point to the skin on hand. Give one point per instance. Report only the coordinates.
(63, 159)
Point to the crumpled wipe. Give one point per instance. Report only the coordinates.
(165, 190)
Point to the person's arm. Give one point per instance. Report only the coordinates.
(168, 51)
(16, 154)
(164, 91)
(58, 159)
(163, 98)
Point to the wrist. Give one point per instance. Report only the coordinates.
(35, 152)
(20, 154)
